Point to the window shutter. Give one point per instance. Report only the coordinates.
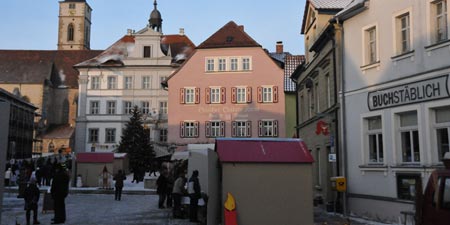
(260, 98)
(260, 128)
(222, 128)
(208, 129)
(249, 94)
(275, 93)
(233, 95)
(223, 95)
(249, 128)
(182, 129)
(275, 128)
(233, 129)
(182, 96)
(197, 95)
(208, 95)
(196, 126)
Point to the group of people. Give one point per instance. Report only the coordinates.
(173, 191)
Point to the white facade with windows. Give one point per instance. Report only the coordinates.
(111, 85)
(397, 101)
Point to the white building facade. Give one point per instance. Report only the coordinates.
(397, 108)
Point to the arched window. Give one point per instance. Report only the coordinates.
(70, 32)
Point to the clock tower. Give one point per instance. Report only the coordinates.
(74, 29)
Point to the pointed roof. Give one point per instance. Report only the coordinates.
(330, 7)
(230, 35)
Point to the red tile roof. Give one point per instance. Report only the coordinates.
(95, 157)
(35, 66)
(230, 35)
(263, 150)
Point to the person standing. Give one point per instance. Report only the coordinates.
(119, 178)
(8, 175)
(59, 191)
(161, 189)
(31, 197)
(177, 193)
(194, 195)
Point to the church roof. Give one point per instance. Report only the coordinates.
(181, 47)
(37, 66)
(230, 35)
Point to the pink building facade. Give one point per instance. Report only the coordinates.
(230, 87)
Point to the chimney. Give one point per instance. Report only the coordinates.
(279, 47)
(182, 31)
(241, 27)
(129, 32)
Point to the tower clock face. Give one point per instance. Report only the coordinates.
(72, 12)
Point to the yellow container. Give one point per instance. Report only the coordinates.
(339, 184)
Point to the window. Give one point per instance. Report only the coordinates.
(222, 64)
(127, 107)
(163, 135)
(70, 32)
(409, 136)
(209, 65)
(268, 94)
(146, 82)
(318, 165)
(112, 82)
(161, 80)
(110, 135)
(240, 95)
(111, 107)
(128, 83)
(245, 63)
(371, 45)
(215, 129)
(95, 82)
(189, 129)
(190, 95)
(439, 21)
(241, 129)
(317, 97)
(442, 130)
(268, 128)
(72, 6)
(403, 33)
(95, 107)
(446, 195)
(328, 88)
(234, 64)
(145, 107)
(406, 186)
(147, 52)
(163, 108)
(375, 139)
(309, 107)
(93, 135)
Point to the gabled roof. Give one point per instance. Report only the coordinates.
(355, 7)
(181, 47)
(323, 6)
(230, 35)
(31, 66)
(95, 157)
(290, 64)
(262, 150)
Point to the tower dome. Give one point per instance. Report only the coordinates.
(155, 21)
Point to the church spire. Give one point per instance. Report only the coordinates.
(155, 21)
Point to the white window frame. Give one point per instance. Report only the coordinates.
(234, 64)
(128, 82)
(367, 45)
(189, 129)
(210, 64)
(215, 94)
(433, 23)
(246, 63)
(268, 128)
(241, 128)
(379, 144)
(402, 31)
(145, 107)
(112, 82)
(95, 82)
(189, 95)
(146, 82)
(222, 64)
(111, 107)
(215, 128)
(241, 94)
(93, 135)
(127, 107)
(267, 93)
(163, 107)
(110, 135)
(439, 126)
(409, 130)
(94, 107)
(162, 79)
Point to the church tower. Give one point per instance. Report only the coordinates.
(74, 29)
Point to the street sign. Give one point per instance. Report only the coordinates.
(332, 157)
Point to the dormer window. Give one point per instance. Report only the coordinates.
(147, 52)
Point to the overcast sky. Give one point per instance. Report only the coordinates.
(33, 24)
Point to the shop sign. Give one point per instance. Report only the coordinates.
(415, 92)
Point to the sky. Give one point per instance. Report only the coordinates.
(33, 24)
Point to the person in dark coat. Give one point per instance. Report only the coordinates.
(59, 191)
(119, 178)
(194, 195)
(161, 189)
(31, 197)
(177, 193)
